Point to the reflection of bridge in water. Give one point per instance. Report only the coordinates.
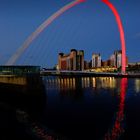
(97, 83)
(118, 127)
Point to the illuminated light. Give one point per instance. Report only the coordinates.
(117, 128)
(41, 28)
(94, 82)
(137, 85)
(74, 83)
(121, 30)
(70, 83)
(81, 0)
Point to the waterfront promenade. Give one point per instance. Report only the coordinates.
(87, 73)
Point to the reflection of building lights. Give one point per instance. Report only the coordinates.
(88, 80)
(74, 86)
(68, 82)
(84, 82)
(137, 85)
(71, 85)
(99, 82)
(65, 82)
(106, 82)
(94, 82)
(60, 83)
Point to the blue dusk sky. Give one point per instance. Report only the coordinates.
(89, 26)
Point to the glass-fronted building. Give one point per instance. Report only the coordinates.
(19, 70)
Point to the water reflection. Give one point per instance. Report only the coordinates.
(74, 86)
(81, 102)
(68, 83)
(100, 95)
(75, 107)
(29, 98)
(118, 127)
(137, 85)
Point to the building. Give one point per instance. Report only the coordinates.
(72, 61)
(116, 59)
(87, 65)
(19, 70)
(106, 63)
(112, 60)
(96, 60)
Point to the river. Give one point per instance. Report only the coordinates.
(74, 108)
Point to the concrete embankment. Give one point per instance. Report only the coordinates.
(89, 74)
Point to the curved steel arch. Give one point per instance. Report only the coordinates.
(46, 23)
(42, 27)
(121, 30)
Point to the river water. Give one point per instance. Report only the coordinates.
(75, 108)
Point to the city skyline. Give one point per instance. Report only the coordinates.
(89, 26)
(74, 60)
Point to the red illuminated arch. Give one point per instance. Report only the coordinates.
(121, 30)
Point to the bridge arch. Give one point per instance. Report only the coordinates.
(121, 30)
(40, 29)
(47, 22)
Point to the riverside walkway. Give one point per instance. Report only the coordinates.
(87, 73)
